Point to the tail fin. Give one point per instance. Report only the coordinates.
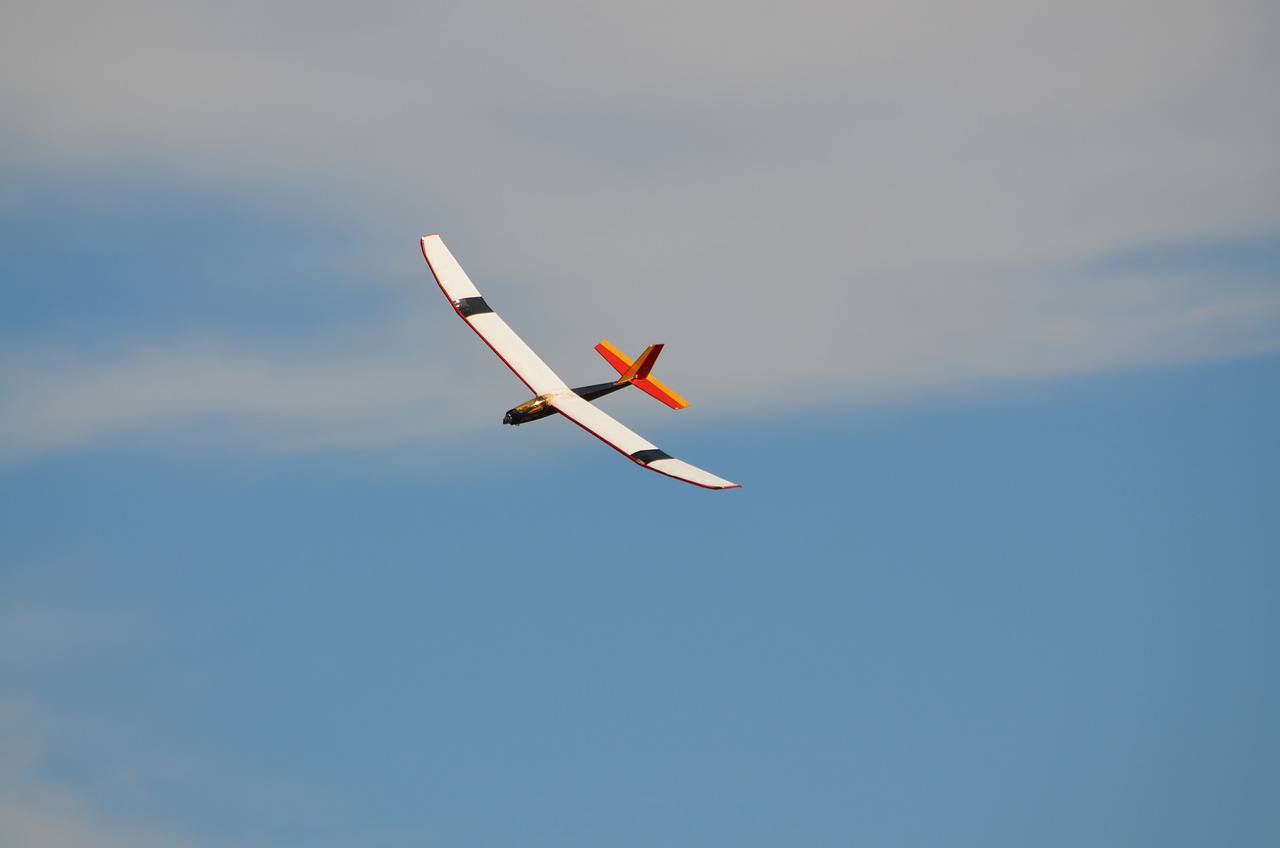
(637, 373)
(642, 366)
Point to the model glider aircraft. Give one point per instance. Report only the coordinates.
(552, 395)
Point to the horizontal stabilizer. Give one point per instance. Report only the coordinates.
(651, 386)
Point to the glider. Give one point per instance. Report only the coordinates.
(552, 394)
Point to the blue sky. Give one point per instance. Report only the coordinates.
(995, 355)
(1046, 620)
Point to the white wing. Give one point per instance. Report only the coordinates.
(468, 303)
(617, 435)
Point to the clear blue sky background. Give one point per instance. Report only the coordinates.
(1003, 572)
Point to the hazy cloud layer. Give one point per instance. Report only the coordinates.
(875, 200)
(37, 810)
(61, 771)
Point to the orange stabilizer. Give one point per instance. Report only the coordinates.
(619, 360)
(655, 389)
(651, 386)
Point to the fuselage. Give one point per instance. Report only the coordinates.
(537, 408)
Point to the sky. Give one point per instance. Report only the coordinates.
(981, 304)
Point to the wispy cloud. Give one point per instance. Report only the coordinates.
(876, 200)
(282, 402)
(278, 401)
(69, 778)
(37, 810)
(37, 814)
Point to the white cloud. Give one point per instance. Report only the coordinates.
(877, 199)
(287, 402)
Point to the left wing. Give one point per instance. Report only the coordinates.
(621, 438)
(470, 306)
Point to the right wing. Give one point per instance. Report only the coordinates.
(623, 439)
(470, 306)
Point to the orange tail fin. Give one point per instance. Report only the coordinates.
(637, 373)
(643, 365)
